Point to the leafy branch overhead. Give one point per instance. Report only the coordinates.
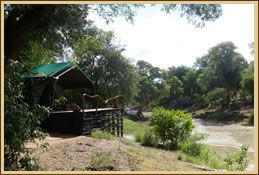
(56, 26)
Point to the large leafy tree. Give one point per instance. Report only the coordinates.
(102, 60)
(57, 25)
(190, 83)
(183, 84)
(53, 25)
(221, 67)
(151, 86)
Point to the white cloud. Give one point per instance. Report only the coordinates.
(167, 40)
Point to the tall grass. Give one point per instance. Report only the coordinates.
(206, 157)
(102, 135)
(102, 161)
(131, 127)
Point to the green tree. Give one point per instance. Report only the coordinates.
(221, 67)
(217, 97)
(183, 87)
(247, 82)
(179, 72)
(53, 25)
(57, 25)
(190, 83)
(176, 92)
(151, 86)
(102, 60)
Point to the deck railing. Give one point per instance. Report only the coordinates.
(110, 120)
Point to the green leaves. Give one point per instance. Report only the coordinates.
(196, 14)
(247, 82)
(172, 126)
(221, 68)
(21, 121)
(103, 61)
(237, 161)
(217, 97)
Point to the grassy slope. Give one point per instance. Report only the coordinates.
(208, 157)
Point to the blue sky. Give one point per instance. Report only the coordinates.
(167, 40)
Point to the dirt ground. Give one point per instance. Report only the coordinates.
(80, 153)
(66, 153)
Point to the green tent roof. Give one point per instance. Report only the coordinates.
(47, 70)
(71, 76)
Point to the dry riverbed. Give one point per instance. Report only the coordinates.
(227, 137)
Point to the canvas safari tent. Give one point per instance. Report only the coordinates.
(49, 81)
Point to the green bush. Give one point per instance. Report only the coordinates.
(21, 121)
(102, 135)
(146, 138)
(210, 158)
(206, 157)
(171, 126)
(59, 102)
(191, 146)
(237, 161)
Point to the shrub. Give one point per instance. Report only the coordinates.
(59, 102)
(102, 135)
(150, 139)
(171, 126)
(21, 122)
(146, 138)
(191, 146)
(237, 161)
(206, 157)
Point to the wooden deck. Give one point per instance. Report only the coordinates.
(84, 122)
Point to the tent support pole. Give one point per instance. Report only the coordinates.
(55, 85)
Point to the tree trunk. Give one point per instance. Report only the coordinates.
(17, 30)
(140, 112)
(141, 108)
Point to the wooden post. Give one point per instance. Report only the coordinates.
(117, 112)
(83, 106)
(121, 122)
(113, 123)
(96, 105)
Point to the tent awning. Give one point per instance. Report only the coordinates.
(67, 74)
